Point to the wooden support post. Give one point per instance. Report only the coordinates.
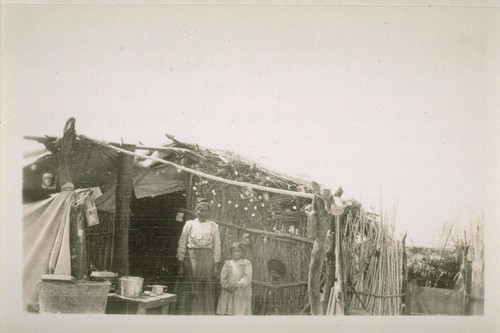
(405, 276)
(317, 257)
(77, 221)
(78, 250)
(330, 279)
(477, 288)
(340, 298)
(63, 156)
(468, 287)
(124, 191)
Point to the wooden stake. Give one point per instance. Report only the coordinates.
(78, 251)
(124, 190)
(63, 158)
(338, 269)
(317, 257)
(77, 221)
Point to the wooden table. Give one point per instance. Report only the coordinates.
(148, 302)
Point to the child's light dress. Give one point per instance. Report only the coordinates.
(236, 273)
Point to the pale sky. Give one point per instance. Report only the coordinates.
(395, 104)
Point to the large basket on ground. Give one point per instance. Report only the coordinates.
(66, 296)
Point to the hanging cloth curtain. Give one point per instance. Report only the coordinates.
(46, 247)
(46, 243)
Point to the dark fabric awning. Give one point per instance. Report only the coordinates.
(160, 180)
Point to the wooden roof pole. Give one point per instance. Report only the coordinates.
(202, 174)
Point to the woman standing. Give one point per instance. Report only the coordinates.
(199, 257)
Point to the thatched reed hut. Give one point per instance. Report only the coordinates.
(149, 192)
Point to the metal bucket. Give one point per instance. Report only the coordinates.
(131, 286)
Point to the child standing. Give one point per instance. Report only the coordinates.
(236, 281)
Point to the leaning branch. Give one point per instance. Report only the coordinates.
(277, 236)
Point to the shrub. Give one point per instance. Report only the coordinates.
(436, 268)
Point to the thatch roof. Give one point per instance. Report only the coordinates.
(95, 165)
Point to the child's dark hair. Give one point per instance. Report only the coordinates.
(239, 246)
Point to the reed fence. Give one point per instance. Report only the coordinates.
(372, 262)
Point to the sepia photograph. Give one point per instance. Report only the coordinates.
(250, 166)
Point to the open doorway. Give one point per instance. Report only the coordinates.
(155, 228)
